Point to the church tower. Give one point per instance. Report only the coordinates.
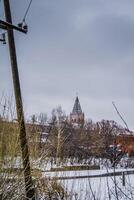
(77, 116)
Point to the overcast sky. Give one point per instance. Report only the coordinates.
(74, 46)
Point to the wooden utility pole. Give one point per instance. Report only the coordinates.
(29, 187)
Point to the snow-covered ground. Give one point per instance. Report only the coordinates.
(101, 188)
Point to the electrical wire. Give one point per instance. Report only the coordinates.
(27, 10)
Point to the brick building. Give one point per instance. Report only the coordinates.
(126, 142)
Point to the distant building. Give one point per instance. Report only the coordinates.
(126, 142)
(77, 116)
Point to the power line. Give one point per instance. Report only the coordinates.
(27, 10)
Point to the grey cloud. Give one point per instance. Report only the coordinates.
(83, 46)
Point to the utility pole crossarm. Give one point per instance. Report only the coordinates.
(3, 26)
(6, 25)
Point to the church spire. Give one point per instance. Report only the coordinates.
(77, 116)
(77, 107)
